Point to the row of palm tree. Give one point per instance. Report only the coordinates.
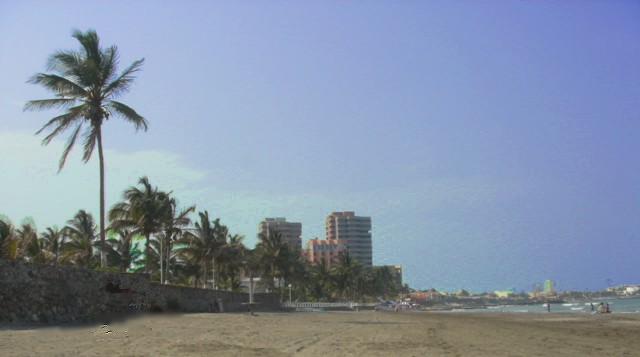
(346, 279)
(72, 245)
(203, 254)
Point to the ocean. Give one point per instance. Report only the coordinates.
(626, 305)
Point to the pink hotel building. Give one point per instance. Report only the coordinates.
(343, 231)
(323, 249)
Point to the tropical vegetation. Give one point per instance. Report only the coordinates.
(147, 231)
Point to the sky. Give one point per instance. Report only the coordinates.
(494, 144)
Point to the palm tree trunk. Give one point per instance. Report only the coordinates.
(168, 253)
(103, 252)
(281, 289)
(250, 288)
(147, 249)
(213, 273)
(161, 262)
(204, 280)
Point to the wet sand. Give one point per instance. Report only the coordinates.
(364, 333)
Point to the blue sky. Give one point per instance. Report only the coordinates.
(494, 144)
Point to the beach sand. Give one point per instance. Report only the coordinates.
(364, 333)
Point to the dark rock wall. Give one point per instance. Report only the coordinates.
(48, 294)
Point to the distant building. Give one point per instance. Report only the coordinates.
(537, 288)
(323, 249)
(290, 231)
(550, 286)
(505, 293)
(631, 290)
(428, 295)
(355, 231)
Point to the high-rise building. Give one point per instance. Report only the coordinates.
(356, 231)
(290, 231)
(549, 286)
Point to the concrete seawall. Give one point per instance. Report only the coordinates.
(44, 293)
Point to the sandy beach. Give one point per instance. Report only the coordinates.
(364, 333)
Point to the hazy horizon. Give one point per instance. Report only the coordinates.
(493, 144)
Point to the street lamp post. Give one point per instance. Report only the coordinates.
(289, 293)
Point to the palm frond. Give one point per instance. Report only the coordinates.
(90, 43)
(62, 86)
(44, 104)
(128, 114)
(68, 147)
(62, 121)
(109, 64)
(90, 138)
(118, 211)
(66, 63)
(124, 81)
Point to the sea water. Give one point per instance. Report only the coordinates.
(623, 305)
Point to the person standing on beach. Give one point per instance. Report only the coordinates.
(548, 306)
(592, 308)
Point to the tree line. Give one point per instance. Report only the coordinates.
(148, 233)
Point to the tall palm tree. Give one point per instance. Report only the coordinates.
(151, 260)
(8, 239)
(52, 241)
(30, 244)
(220, 234)
(79, 249)
(122, 250)
(294, 271)
(201, 244)
(321, 280)
(172, 229)
(143, 211)
(277, 257)
(250, 267)
(345, 275)
(230, 262)
(384, 283)
(85, 84)
(270, 250)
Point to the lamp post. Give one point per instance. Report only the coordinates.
(289, 293)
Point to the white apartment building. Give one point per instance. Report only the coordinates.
(356, 231)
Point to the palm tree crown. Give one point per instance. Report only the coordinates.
(143, 210)
(81, 232)
(85, 84)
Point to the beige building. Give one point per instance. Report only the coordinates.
(291, 231)
(355, 231)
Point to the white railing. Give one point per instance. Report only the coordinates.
(324, 305)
